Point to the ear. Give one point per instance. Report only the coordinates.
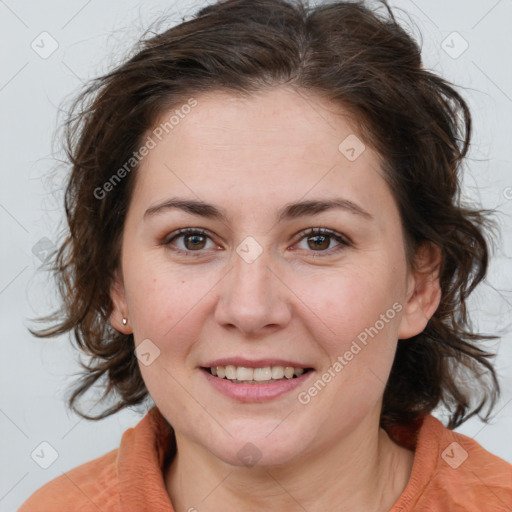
(424, 291)
(120, 308)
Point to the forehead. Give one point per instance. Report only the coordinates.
(278, 145)
(277, 117)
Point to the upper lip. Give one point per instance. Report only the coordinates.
(254, 363)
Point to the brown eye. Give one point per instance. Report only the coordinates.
(193, 242)
(319, 240)
(189, 242)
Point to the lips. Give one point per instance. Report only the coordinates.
(255, 380)
(252, 391)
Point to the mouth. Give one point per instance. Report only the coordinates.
(256, 375)
(255, 381)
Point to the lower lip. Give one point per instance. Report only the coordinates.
(255, 392)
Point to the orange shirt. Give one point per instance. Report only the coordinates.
(451, 472)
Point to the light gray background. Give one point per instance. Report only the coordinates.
(91, 36)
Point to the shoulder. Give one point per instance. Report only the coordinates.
(127, 478)
(81, 489)
(453, 472)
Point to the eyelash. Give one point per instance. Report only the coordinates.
(344, 241)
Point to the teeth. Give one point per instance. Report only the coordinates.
(288, 372)
(252, 375)
(230, 372)
(244, 373)
(262, 373)
(277, 372)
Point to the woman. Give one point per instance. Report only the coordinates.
(266, 237)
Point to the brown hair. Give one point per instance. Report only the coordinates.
(359, 58)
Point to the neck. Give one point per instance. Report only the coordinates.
(366, 471)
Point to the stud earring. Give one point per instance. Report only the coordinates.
(125, 320)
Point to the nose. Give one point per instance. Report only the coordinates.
(253, 299)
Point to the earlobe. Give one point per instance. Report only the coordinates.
(119, 305)
(424, 294)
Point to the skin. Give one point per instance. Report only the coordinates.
(295, 301)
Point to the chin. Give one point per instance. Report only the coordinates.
(268, 447)
(252, 456)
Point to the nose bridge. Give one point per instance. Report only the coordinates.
(251, 276)
(251, 296)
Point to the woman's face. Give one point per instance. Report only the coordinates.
(253, 288)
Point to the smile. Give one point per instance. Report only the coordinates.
(262, 375)
(260, 381)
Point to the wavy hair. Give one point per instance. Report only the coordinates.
(357, 57)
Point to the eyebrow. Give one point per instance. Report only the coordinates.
(287, 212)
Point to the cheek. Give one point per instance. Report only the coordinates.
(161, 299)
(363, 311)
(347, 303)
